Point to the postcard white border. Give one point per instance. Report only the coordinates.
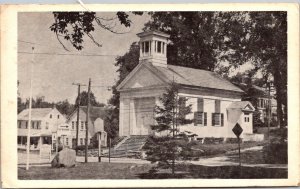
(9, 96)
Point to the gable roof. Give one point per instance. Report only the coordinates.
(36, 113)
(186, 76)
(197, 77)
(95, 112)
(241, 105)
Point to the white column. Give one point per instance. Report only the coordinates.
(121, 117)
(141, 48)
(132, 125)
(165, 49)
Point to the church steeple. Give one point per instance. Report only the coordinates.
(153, 47)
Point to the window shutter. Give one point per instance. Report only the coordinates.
(205, 119)
(222, 119)
(195, 118)
(181, 107)
(217, 106)
(212, 119)
(200, 104)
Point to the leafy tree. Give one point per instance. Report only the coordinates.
(72, 26)
(167, 147)
(84, 100)
(65, 107)
(261, 38)
(193, 37)
(111, 122)
(208, 40)
(126, 64)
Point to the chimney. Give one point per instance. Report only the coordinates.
(153, 47)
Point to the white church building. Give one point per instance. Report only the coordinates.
(216, 103)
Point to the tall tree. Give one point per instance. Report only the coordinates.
(259, 38)
(166, 147)
(193, 36)
(125, 64)
(208, 40)
(84, 99)
(65, 107)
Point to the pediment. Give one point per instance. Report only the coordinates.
(248, 107)
(143, 77)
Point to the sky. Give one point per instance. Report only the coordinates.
(54, 73)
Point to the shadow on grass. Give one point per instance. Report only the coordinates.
(222, 172)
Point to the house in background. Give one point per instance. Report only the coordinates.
(44, 125)
(96, 120)
(260, 97)
(216, 103)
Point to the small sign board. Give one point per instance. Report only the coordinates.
(98, 125)
(237, 130)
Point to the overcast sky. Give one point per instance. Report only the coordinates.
(54, 74)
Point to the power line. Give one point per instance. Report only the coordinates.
(64, 54)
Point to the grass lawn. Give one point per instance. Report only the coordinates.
(249, 157)
(189, 171)
(217, 149)
(133, 171)
(102, 170)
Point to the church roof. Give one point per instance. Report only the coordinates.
(196, 77)
(36, 113)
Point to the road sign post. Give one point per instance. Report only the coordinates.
(99, 146)
(237, 130)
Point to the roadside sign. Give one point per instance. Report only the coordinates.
(237, 130)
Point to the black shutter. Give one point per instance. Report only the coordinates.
(212, 119)
(195, 118)
(205, 119)
(222, 119)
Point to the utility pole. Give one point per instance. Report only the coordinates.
(77, 122)
(29, 114)
(87, 122)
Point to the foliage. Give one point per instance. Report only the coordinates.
(168, 147)
(65, 107)
(38, 102)
(277, 150)
(208, 40)
(111, 122)
(72, 26)
(126, 64)
(193, 35)
(256, 120)
(84, 100)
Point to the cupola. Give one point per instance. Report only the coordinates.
(153, 47)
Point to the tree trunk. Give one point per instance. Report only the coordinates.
(279, 100)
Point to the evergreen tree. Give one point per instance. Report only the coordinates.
(168, 145)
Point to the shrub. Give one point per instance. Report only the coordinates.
(276, 152)
(233, 140)
(281, 133)
(212, 140)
